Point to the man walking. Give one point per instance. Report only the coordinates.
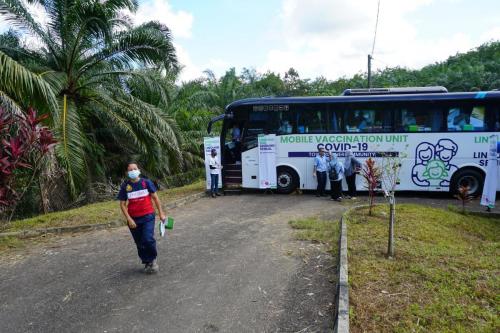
(319, 171)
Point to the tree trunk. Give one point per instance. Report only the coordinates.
(392, 216)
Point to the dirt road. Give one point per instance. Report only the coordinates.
(230, 265)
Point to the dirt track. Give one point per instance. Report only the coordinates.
(230, 265)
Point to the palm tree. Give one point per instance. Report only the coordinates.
(89, 51)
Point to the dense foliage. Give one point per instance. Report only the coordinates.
(110, 93)
(24, 142)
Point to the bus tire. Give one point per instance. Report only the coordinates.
(471, 177)
(287, 180)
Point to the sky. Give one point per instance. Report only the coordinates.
(329, 38)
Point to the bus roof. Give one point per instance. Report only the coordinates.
(481, 95)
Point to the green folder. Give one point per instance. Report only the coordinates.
(170, 223)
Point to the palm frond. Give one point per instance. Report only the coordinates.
(70, 150)
(149, 43)
(25, 86)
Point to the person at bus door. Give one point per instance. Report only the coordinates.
(236, 138)
(136, 195)
(351, 167)
(319, 171)
(335, 174)
(215, 168)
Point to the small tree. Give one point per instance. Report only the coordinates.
(464, 196)
(24, 143)
(371, 173)
(391, 167)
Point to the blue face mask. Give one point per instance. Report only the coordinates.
(133, 174)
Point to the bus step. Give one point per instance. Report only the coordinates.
(230, 191)
(232, 167)
(233, 172)
(233, 179)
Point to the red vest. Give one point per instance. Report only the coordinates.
(139, 201)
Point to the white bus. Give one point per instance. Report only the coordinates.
(442, 137)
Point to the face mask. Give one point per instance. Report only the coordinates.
(133, 174)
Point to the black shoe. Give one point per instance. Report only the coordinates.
(217, 194)
(317, 195)
(213, 195)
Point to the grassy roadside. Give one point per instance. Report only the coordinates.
(444, 277)
(95, 213)
(317, 230)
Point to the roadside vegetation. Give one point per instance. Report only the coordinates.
(444, 276)
(317, 230)
(108, 89)
(100, 212)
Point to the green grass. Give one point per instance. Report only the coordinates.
(10, 243)
(95, 213)
(314, 229)
(444, 276)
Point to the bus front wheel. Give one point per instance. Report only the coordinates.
(470, 177)
(287, 180)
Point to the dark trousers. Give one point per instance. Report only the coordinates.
(214, 183)
(321, 175)
(336, 189)
(237, 150)
(351, 185)
(144, 238)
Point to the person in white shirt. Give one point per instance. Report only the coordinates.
(215, 168)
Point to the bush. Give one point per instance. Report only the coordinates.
(185, 178)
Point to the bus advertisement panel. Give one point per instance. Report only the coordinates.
(428, 160)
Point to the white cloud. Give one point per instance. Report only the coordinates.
(333, 37)
(189, 71)
(179, 22)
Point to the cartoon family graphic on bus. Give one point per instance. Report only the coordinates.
(433, 165)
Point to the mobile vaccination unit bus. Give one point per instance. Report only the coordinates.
(441, 138)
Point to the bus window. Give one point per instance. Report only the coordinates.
(492, 118)
(311, 119)
(286, 123)
(261, 122)
(368, 120)
(335, 121)
(419, 120)
(466, 118)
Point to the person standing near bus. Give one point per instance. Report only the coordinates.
(136, 196)
(319, 171)
(236, 138)
(215, 168)
(336, 174)
(351, 166)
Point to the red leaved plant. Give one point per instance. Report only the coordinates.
(372, 175)
(23, 141)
